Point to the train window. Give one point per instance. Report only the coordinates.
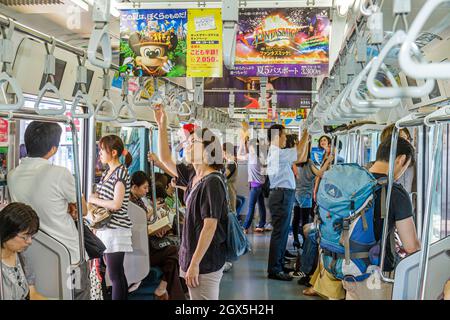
(445, 185)
(60, 67)
(436, 93)
(413, 83)
(90, 75)
(64, 156)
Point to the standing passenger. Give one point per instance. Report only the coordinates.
(50, 191)
(282, 191)
(113, 193)
(231, 172)
(256, 179)
(203, 244)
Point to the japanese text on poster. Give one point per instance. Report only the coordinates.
(204, 43)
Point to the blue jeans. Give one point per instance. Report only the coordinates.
(280, 204)
(256, 195)
(310, 252)
(240, 200)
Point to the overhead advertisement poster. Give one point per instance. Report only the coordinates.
(287, 42)
(204, 43)
(153, 42)
(219, 90)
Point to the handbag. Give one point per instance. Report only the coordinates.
(237, 243)
(93, 245)
(100, 216)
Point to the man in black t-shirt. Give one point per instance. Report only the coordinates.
(400, 221)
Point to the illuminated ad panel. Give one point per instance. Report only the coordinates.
(291, 42)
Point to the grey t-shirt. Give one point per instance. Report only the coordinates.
(305, 181)
(255, 169)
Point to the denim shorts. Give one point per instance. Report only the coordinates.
(303, 200)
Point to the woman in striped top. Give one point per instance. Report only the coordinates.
(113, 193)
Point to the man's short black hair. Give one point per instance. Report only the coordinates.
(40, 137)
(403, 148)
(274, 129)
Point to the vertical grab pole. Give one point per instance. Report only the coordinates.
(1, 271)
(384, 235)
(91, 155)
(347, 148)
(425, 248)
(76, 165)
(420, 169)
(152, 176)
(177, 209)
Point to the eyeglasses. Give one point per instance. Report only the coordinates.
(27, 237)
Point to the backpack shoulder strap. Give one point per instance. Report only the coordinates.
(225, 189)
(382, 183)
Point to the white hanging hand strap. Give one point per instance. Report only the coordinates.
(49, 72)
(396, 92)
(6, 78)
(126, 105)
(100, 35)
(106, 102)
(81, 94)
(407, 64)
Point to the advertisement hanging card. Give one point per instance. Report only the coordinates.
(287, 42)
(204, 43)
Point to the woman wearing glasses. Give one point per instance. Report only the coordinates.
(202, 251)
(18, 224)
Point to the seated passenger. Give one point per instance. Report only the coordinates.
(447, 290)
(166, 258)
(400, 219)
(170, 198)
(18, 224)
(50, 191)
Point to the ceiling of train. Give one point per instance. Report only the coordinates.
(54, 16)
(71, 21)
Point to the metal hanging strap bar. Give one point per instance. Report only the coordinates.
(384, 235)
(153, 182)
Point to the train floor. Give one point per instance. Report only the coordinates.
(247, 280)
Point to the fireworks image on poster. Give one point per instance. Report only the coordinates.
(153, 42)
(282, 42)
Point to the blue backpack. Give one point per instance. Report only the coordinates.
(237, 243)
(346, 201)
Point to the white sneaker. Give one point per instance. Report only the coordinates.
(227, 267)
(268, 227)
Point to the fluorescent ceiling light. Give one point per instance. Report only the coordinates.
(83, 5)
(179, 4)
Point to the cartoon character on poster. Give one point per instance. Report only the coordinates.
(153, 43)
